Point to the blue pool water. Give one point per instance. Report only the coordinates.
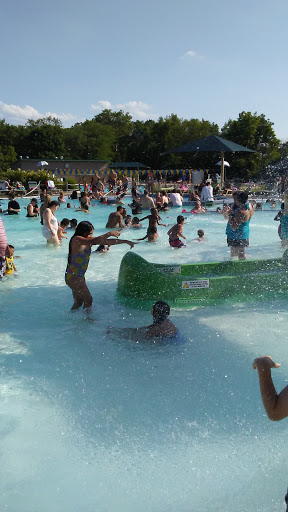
(93, 423)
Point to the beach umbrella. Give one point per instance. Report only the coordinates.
(226, 164)
(215, 144)
(42, 163)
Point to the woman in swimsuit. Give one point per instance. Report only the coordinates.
(78, 260)
(32, 208)
(50, 223)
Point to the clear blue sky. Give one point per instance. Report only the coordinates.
(207, 59)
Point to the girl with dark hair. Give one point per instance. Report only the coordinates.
(78, 260)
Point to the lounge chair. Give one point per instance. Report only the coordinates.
(3, 187)
(31, 185)
(51, 187)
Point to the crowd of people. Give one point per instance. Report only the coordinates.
(238, 216)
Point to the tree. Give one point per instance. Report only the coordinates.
(42, 138)
(255, 132)
(90, 141)
(122, 125)
(8, 154)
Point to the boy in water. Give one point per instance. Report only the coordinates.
(9, 255)
(175, 233)
(153, 218)
(161, 327)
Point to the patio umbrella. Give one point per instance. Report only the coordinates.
(42, 163)
(226, 164)
(213, 143)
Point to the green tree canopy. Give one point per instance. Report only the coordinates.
(255, 132)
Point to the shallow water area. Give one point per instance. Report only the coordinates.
(91, 422)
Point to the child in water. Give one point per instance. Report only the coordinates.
(136, 223)
(175, 232)
(161, 327)
(78, 260)
(200, 238)
(153, 218)
(9, 255)
(73, 223)
(61, 229)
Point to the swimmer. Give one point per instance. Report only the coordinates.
(83, 208)
(278, 217)
(175, 232)
(284, 221)
(32, 208)
(9, 255)
(200, 238)
(74, 195)
(135, 223)
(115, 219)
(119, 199)
(73, 224)
(198, 208)
(61, 198)
(128, 221)
(68, 205)
(161, 327)
(61, 229)
(78, 260)
(101, 249)
(153, 218)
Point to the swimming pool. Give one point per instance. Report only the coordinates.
(93, 423)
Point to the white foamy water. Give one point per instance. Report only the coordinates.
(92, 423)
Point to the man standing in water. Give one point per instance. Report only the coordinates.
(276, 406)
(147, 202)
(115, 219)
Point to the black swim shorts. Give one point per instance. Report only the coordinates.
(238, 243)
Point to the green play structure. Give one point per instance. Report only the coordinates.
(141, 283)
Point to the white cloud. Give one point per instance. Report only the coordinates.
(101, 105)
(137, 109)
(16, 114)
(190, 54)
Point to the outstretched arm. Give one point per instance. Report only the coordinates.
(276, 406)
(115, 241)
(98, 240)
